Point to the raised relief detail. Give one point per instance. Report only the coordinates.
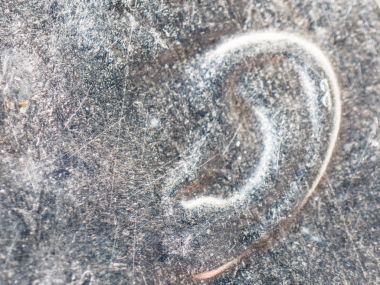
(268, 108)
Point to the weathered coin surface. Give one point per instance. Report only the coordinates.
(164, 142)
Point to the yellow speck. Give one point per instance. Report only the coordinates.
(23, 105)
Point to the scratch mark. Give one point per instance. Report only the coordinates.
(75, 112)
(348, 232)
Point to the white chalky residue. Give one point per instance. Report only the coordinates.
(312, 100)
(184, 168)
(154, 123)
(326, 99)
(268, 156)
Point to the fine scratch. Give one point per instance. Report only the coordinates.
(348, 232)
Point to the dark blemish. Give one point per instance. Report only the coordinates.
(345, 184)
(68, 161)
(200, 114)
(163, 255)
(60, 174)
(163, 258)
(121, 8)
(23, 229)
(87, 282)
(55, 10)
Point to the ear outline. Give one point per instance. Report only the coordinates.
(279, 40)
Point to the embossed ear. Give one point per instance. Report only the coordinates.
(271, 114)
